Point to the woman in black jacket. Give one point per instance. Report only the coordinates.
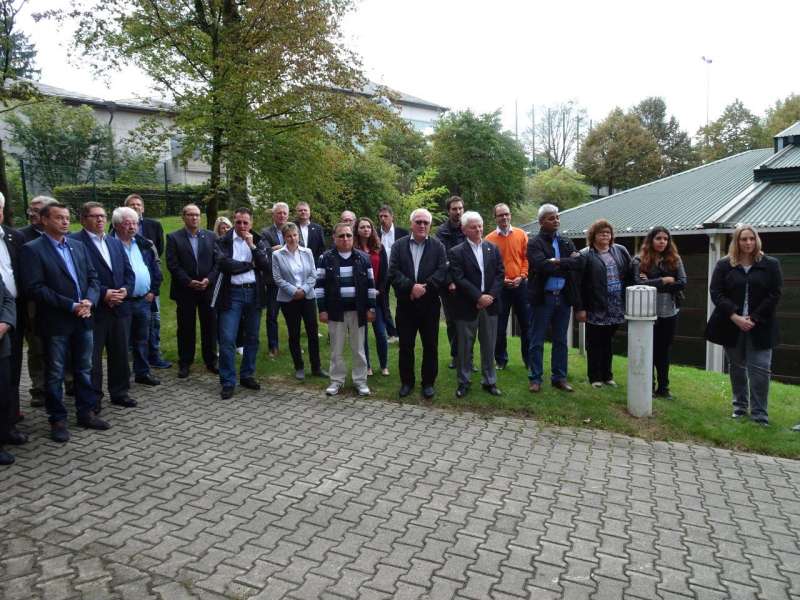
(658, 264)
(745, 289)
(367, 241)
(606, 274)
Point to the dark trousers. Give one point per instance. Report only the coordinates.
(140, 334)
(413, 319)
(112, 334)
(8, 415)
(391, 329)
(450, 322)
(36, 353)
(663, 334)
(598, 351)
(154, 337)
(293, 312)
(15, 364)
(272, 317)
(63, 353)
(187, 309)
(516, 298)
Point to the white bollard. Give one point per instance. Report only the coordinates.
(640, 311)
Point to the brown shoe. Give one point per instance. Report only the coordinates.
(563, 386)
(534, 387)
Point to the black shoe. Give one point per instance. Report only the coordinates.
(250, 383)
(452, 364)
(6, 458)
(405, 390)
(501, 366)
(739, 414)
(428, 392)
(147, 380)
(160, 363)
(462, 390)
(69, 388)
(663, 394)
(227, 392)
(320, 373)
(125, 402)
(492, 389)
(16, 438)
(91, 421)
(183, 371)
(212, 369)
(59, 432)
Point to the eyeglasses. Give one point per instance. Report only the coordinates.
(344, 235)
(98, 217)
(421, 222)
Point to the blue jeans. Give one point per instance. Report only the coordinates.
(76, 346)
(749, 372)
(555, 312)
(154, 341)
(381, 340)
(245, 309)
(516, 298)
(273, 308)
(141, 316)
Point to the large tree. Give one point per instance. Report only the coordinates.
(783, 114)
(239, 73)
(619, 153)
(557, 135)
(405, 148)
(675, 145)
(560, 186)
(736, 130)
(478, 161)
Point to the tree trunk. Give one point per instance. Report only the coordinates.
(212, 207)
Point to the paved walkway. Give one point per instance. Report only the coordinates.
(287, 494)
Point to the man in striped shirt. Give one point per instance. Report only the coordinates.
(346, 294)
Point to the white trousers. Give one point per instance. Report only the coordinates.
(339, 331)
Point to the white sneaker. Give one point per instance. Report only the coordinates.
(362, 390)
(611, 383)
(393, 339)
(333, 389)
(240, 351)
(597, 384)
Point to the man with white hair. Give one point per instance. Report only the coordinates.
(273, 237)
(143, 259)
(553, 295)
(418, 274)
(476, 268)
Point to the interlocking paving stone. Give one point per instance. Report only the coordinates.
(288, 494)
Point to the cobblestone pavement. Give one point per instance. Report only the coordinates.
(287, 494)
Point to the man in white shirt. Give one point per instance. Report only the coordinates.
(389, 233)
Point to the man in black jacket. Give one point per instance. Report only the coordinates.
(311, 235)
(477, 269)
(8, 315)
(450, 234)
(418, 273)
(388, 234)
(190, 260)
(555, 292)
(273, 238)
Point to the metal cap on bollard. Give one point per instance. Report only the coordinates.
(640, 311)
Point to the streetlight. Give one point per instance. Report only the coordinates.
(708, 62)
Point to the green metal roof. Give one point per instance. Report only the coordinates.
(682, 202)
(787, 158)
(791, 130)
(777, 206)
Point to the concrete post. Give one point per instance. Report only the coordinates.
(640, 311)
(715, 355)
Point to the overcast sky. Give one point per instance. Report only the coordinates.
(487, 54)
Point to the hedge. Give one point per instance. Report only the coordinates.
(158, 201)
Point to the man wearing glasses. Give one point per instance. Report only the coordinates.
(112, 315)
(418, 274)
(345, 291)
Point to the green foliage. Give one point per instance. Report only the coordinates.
(367, 182)
(424, 194)
(404, 147)
(558, 133)
(783, 114)
(677, 153)
(619, 153)
(158, 201)
(737, 130)
(560, 186)
(478, 161)
(16, 49)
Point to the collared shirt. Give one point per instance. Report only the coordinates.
(477, 250)
(66, 255)
(417, 250)
(555, 283)
(242, 253)
(387, 240)
(140, 270)
(6, 270)
(297, 266)
(99, 242)
(505, 233)
(193, 242)
(303, 234)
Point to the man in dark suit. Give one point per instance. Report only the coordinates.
(388, 234)
(60, 278)
(8, 314)
(450, 234)
(476, 268)
(112, 314)
(151, 229)
(273, 237)
(418, 272)
(190, 260)
(10, 249)
(311, 235)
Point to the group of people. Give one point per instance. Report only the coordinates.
(97, 290)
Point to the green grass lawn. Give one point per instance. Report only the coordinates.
(700, 411)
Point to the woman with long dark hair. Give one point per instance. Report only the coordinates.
(658, 264)
(606, 274)
(368, 242)
(745, 289)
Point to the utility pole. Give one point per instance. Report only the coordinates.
(516, 120)
(707, 62)
(577, 135)
(533, 137)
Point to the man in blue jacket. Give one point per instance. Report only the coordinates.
(61, 280)
(112, 315)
